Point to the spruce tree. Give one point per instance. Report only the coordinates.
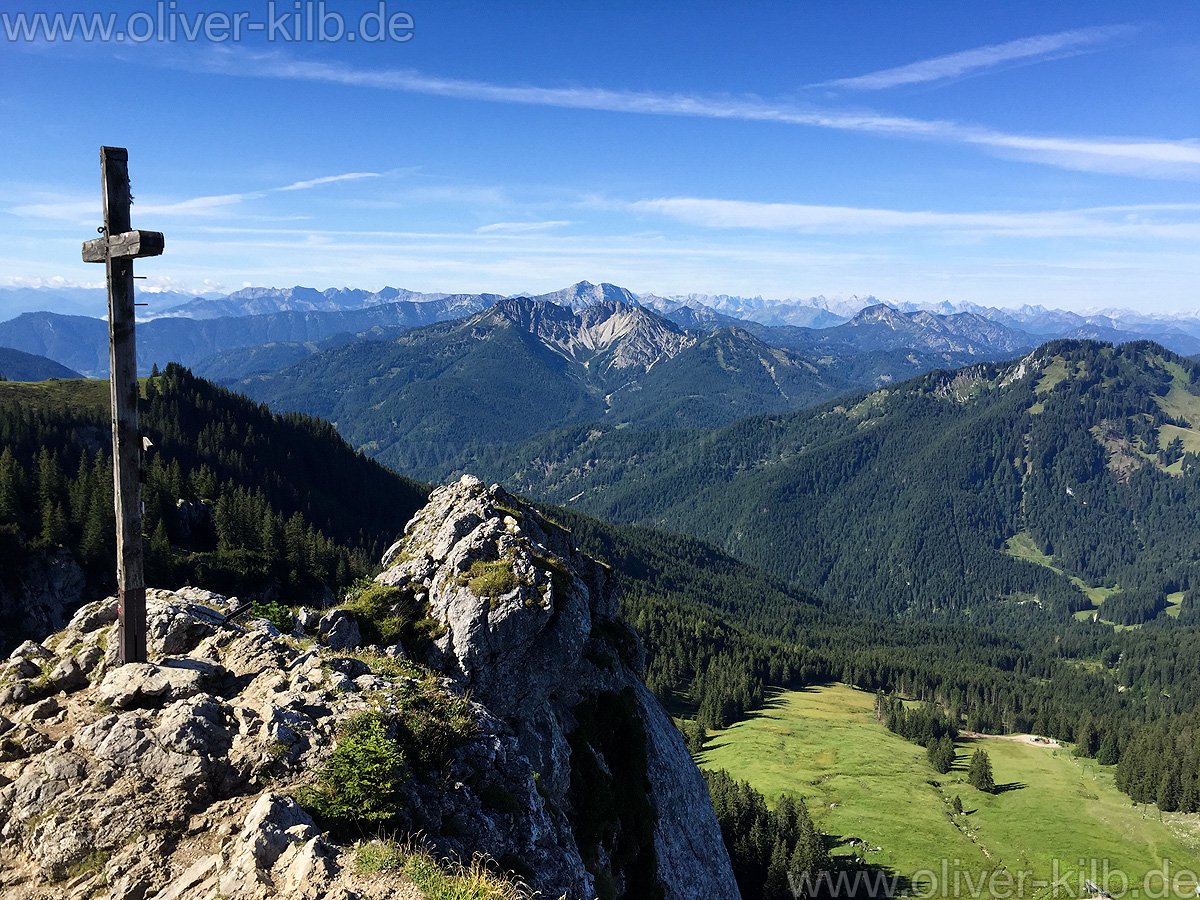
(1169, 791)
(54, 525)
(979, 775)
(12, 483)
(1189, 800)
(1108, 754)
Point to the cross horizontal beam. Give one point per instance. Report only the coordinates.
(127, 245)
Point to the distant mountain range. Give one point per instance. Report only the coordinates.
(81, 342)
(433, 398)
(259, 330)
(523, 366)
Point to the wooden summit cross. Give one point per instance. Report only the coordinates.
(117, 249)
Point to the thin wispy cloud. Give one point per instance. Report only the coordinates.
(518, 227)
(328, 179)
(198, 206)
(1145, 157)
(954, 65)
(1156, 222)
(80, 209)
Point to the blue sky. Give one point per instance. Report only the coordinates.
(992, 153)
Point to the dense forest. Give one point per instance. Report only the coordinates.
(775, 851)
(235, 498)
(905, 501)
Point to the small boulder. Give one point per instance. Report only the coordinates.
(349, 666)
(31, 650)
(68, 676)
(340, 630)
(15, 694)
(43, 709)
(392, 553)
(274, 823)
(94, 615)
(145, 685)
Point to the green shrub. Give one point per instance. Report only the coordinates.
(274, 612)
(360, 783)
(430, 723)
(388, 615)
(375, 609)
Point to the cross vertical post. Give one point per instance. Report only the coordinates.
(117, 249)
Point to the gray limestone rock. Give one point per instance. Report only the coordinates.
(339, 630)
(530, 628)
(175, 770)
(149, 685)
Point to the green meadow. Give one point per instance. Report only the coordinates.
(878, 798)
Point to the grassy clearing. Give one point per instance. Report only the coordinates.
(1179, 402)
(72, 393)
(858, 779)
(861, 781)
(1051, 375)
(1189, 437)
(1022, 546)
(1174, 604)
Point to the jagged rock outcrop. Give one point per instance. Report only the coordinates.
(180, 778)
(531, 629)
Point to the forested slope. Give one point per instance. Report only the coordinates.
(905, 500)
(235, 497)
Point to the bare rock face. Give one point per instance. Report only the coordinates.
(530, 628)
(177, 779)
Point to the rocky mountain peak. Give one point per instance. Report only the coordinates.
(511, 699)
(584, 294)
(880, 314)
(516, 599)
(609, 334)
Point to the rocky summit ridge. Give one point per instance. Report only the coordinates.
(501, 677)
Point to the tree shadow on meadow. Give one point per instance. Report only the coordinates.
(1011, 786)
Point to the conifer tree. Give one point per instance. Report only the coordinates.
(1108, 753)
(979, 775)
(54, 524)
(12, 483)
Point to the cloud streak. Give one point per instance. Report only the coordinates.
(1129, 222)
(328, 179)
(955, 65)
(82, 210)
(519, 227)
(1143, 157)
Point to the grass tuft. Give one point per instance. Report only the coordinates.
(491, 579)
(446, 880)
